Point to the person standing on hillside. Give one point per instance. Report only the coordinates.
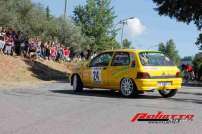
(53, 51)
(17, 43)
(32, 48)
(9, 43)
(59, 52)
(48, 50)
(66, 54)
(38, 48)
(2, 40)
(21, 41)
(43, 50)
(2, 43)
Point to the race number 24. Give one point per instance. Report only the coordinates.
(96, 74)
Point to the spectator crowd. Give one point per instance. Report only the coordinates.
(12, 42)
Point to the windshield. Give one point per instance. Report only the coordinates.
(154, 59)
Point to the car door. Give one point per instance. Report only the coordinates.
(99, 70)
(120, 68)
(86, 75)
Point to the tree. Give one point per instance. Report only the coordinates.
(47, 13)
(169, 49)
(162, 47)
(35, 20)
(199, 41)
(8, 15)
(96, 22)
(126, 43)
(73, 37)
(197, 63)
(183, 10)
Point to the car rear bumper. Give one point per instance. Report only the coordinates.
(150, 84)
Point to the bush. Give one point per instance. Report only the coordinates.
(197, 64)
(200, 73)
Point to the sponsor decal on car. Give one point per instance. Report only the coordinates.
(96, 74)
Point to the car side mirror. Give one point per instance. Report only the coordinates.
(133, 63)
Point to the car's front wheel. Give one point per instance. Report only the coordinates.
(127, 87)
(77, 84)
(168, 93)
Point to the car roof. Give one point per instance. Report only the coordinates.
(131, 50)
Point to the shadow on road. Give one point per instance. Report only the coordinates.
(196, 101)
(189, 93)
(44, 72)
(198, 84)
(103, 93)
(111, 94)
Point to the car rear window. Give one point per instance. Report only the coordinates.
(155, 59)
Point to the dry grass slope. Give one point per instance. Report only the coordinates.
(21, 70)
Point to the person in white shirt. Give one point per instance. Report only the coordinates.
(2, 43)
(9, 43)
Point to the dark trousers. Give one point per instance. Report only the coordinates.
(17, 49)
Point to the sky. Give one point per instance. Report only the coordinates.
(146, 30)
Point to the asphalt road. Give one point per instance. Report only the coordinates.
(53, 108)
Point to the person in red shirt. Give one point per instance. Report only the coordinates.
(66, 53)
(189, 68)
(190, 72)
(53, 52)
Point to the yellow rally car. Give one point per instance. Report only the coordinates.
(129, 71)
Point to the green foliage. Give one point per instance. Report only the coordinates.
(162, 47)
(126, 43)
(197, 64)
(35, 20)
(169, 49)
(183, 10)
(70, 34)
(96, 22)
(197, 61)
(199, 41)
(47, 13)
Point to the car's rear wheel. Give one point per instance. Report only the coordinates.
(77, 84)
(127, 87)
(168, 93)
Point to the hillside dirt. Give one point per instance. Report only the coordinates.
(21, 71)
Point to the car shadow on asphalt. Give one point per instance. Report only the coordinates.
(185, 100)
(199, 84)
(181, 92)
(112, 94)
(104, 93)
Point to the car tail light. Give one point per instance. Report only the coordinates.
(143, 75)
(178, 74)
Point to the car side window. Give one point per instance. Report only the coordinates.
(101, 60)
(121, 59)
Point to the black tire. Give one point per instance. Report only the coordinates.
(167, 93)
(127, 90)
(77, 84)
